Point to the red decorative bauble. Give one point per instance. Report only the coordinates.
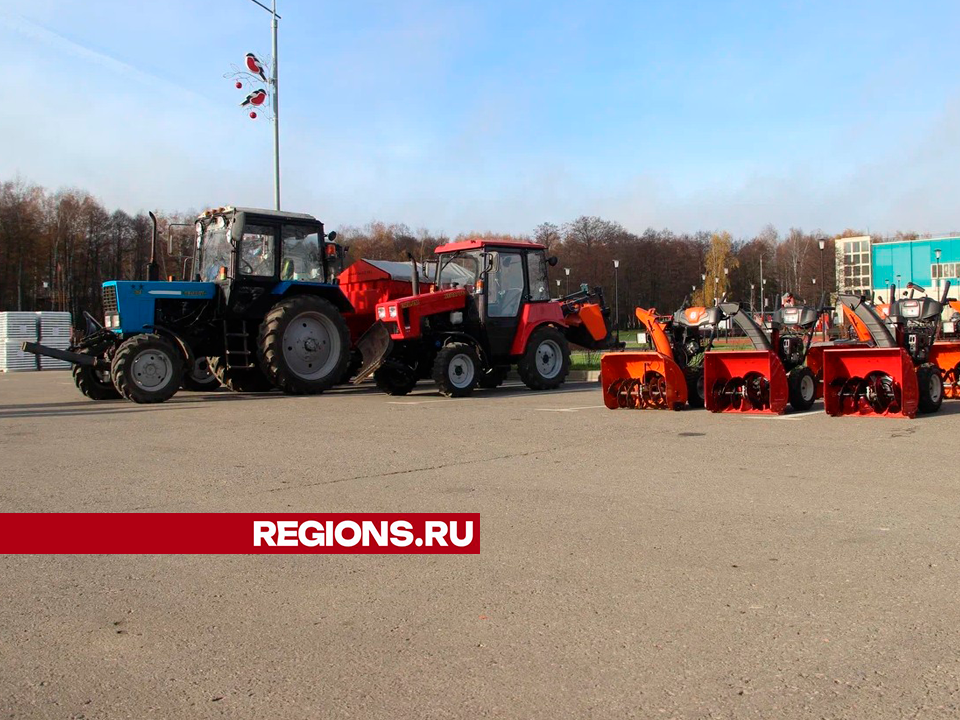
(253, 116)
(239, 84)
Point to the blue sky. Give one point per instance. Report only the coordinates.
(500, 115)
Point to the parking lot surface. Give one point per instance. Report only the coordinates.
(633, 563)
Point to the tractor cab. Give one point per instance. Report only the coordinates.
(504, 282)
(253, 255)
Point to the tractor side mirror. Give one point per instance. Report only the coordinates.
(332, 235)
(552, 261)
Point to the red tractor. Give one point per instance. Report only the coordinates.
(487, 309)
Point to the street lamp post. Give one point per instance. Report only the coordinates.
(558, 287)
(823, 288)
(276, 101)
(566, 288)
(616, 292)
(752, 287)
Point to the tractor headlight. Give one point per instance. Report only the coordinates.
(393, 311)
(456, 317)
(381, 313)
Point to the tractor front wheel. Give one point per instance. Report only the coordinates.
(546, 361)
(240, 380)
(95, 384)
(803, 388)
(930, 387)
(147, 369)
(395, 378)
(456, 369)
(304, 345)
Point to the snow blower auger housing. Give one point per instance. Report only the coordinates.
(488, 308)
(669, 376)
(764, 379)
(897, 377)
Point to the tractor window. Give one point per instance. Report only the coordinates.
(257, 251)
(301, 255)
(537, 272)
(215, 252)
(505, 285)
(460, 271)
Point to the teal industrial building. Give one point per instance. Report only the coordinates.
(866, 264)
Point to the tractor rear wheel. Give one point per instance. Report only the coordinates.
(395, 378)
(494, 377)
(695, 390)
(456, 369)
(241, 380)
(930, 386)
(304, 345)
(546, 361)
(803, 388)
(95, 384)
(200, 378)
(147, 369)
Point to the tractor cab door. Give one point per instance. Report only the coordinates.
(506, 292)
(255, 271)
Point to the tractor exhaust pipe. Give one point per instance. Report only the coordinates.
(416, 274)
(153, 268)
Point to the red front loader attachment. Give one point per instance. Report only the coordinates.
(749, 381)
(869, 381)
(639, 380)
(946, 356)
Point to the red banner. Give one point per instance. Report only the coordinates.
(239, 533)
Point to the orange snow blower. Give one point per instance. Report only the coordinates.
(669, 376)
(896, 377)
(764, 379)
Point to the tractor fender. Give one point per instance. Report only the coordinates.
(331, 293)
(534, 316)
(470, 340)
(181, 343)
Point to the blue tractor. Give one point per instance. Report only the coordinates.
(263, 310)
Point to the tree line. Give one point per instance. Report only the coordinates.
(57, 248)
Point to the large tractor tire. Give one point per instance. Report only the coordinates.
(241, 380)
(95, 384)
(395, 378)
(494, 377)
(803, 388)
(199, 377)
(930, 387)
(304, 345)
(456, 369)
(546, 361)
(147, 369)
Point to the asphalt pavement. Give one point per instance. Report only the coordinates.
(633, 563)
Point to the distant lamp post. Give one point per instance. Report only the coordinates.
(558, 287)
(753, 287)
(616, 292)
(566, 288)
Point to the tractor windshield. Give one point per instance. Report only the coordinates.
(459, 270)
(214, 242)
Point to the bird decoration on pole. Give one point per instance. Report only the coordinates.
(256, 67)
